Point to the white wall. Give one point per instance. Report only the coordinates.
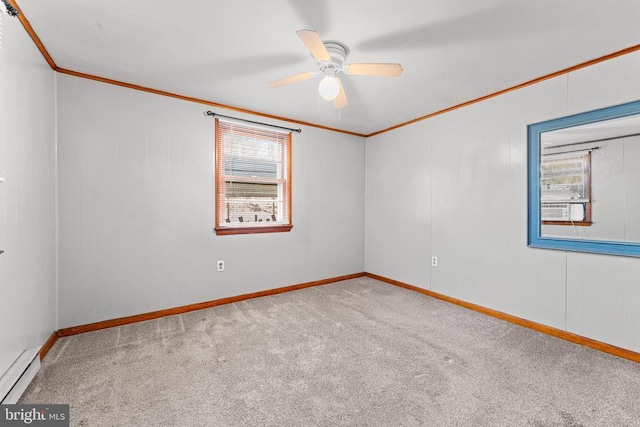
(27, 198)
(455, 186)
(136, 208)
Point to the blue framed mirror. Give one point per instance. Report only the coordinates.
(584, 182)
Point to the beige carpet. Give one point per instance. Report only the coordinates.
(354, 353)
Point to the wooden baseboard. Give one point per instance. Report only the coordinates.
(192, 307)
(48, 344)
(554, 332)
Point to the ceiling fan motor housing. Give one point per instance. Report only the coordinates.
(338, 54)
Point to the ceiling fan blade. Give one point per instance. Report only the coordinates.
(312, 40)
(291, 79)
(341, 100)
(383, 70)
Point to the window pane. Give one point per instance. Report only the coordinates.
(564, 179)
(255, 210)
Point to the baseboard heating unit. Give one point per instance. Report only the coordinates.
(15, 381)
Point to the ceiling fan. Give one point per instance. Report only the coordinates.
(330, 60)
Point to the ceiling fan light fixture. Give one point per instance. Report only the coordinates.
(329, 88)
(330, 60)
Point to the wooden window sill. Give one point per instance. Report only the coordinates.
(223, 231)
(575, 223)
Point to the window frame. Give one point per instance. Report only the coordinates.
(221, 228)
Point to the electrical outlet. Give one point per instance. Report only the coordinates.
(220, 265)
(434, 261)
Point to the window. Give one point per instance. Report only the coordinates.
(253, 179)
(565, 189)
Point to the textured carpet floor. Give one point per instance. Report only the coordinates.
(357, 353)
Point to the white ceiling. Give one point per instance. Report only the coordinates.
(452, 51)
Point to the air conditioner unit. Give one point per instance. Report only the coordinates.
(563, 212)
(555, 212)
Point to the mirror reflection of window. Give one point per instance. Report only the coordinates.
(590, 181)
(565, 188)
